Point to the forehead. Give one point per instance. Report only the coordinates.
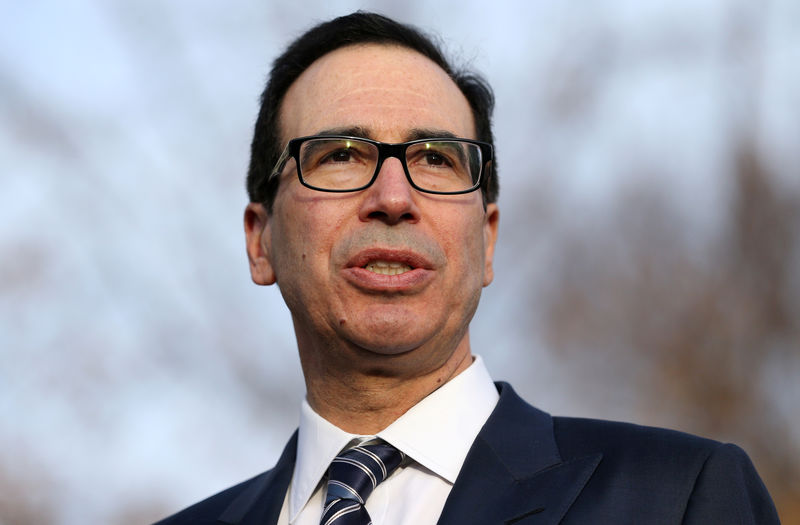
(386, 89)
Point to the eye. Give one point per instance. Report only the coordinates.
(433, 158)
(340, 155)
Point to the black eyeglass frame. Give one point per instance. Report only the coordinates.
(385, 151)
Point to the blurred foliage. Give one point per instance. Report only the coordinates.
(700, 331)
(23, 495)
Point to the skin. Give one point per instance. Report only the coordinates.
(372, 346)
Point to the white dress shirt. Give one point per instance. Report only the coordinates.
(435, 434)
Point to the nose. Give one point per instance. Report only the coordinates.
(390, 198)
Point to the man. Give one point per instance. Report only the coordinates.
(373, 188)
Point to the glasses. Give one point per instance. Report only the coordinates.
(336, 163)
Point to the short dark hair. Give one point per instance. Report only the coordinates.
(357, 28)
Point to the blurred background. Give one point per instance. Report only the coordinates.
(648, 266)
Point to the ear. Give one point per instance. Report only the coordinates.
(490, 224)
(256, 231)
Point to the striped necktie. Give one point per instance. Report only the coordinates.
(352, 477)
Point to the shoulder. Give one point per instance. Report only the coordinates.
(695, 479)
(646, 454)
(643, 474)
(618, 440)
(574, 437)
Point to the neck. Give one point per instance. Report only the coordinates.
(367, 398)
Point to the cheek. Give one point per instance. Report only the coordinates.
(303, 241)
(476, 238)
(288, 245)
(466, 246)
(297, 278)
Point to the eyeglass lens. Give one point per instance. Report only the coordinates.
(344, 164)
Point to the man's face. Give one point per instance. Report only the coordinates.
(387, 270)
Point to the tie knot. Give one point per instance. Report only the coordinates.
(355, 472)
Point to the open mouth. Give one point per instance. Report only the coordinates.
(387, 267)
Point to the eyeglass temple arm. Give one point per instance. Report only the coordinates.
(280, 164)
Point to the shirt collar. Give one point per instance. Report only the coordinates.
(437, 433)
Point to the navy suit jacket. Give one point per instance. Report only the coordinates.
(528, 468)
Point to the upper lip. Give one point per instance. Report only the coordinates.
(412, 259)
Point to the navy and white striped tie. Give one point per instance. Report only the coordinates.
(352, 477)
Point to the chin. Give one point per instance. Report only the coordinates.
(386, 329)
(386, 344)
(402, 342)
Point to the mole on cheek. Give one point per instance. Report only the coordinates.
(304, 257)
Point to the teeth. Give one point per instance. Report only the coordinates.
(387, 267)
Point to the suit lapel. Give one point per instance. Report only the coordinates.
(260, 503)
(513, 474)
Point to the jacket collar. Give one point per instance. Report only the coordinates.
(514, 473)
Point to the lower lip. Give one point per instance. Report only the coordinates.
(409, 281)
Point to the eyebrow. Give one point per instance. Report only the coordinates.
(413, 134)
(430, 133)
(350, 131)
